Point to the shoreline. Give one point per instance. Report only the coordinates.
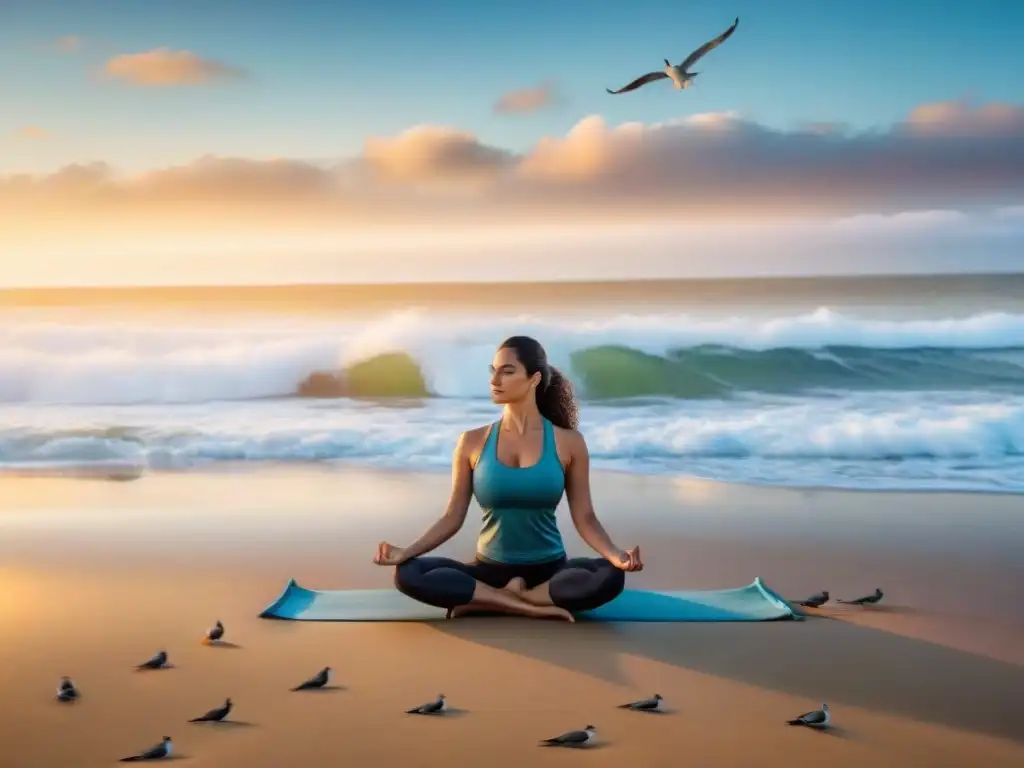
(127, 472)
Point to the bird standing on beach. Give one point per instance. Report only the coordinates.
(435, 707)
(653, 704)
(317, 681)
(214, 633)
(214, 715)
(573, 738)
(867, 599)
(818, 718)
(160, 751)
(66, 691)
(815, 601)
(680, 75)
(159, 660)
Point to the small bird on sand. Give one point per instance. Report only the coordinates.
(317, 681)
(653, 704)
(160, 751)
(680, 75)
(66, 691)
(816, 601)
(214, 715)
(214, 633)
(583, 738)
(867, 599)
(159, 660)
(436, 707)
(818, 718)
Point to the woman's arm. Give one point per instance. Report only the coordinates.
(458, 504)
(581, 507)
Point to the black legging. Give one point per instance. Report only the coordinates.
(579, 584)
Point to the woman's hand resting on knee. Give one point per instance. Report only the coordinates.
(629, 560)
(389, 554)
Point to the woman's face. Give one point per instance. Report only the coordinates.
(509, 382)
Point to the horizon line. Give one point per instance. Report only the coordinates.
(399, 286)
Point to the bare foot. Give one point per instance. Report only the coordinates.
(531, 611)
(552, 612)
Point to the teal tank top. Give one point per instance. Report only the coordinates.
(519, 504)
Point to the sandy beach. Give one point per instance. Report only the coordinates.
(97, 576)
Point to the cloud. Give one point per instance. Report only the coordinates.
(68, 44)
(527, 100)
(168, 67)
(962, 119)
(32, 132)
(432, 153)
(1011, 212)
(945, 156)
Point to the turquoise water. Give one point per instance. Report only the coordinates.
(910, 384)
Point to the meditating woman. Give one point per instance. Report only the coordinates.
(518, 468)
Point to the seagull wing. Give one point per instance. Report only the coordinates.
(152, 753)
(318, 681)
(157, 660)
(214, 714)
(651, 703)
(426, 709)
(650, 77)
(710, 45)
(812, 718)
(572, 737)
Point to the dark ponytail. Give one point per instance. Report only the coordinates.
(556, 400)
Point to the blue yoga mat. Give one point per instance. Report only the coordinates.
(754, 602)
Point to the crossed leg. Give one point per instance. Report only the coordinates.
(448, 583)
(582, 584)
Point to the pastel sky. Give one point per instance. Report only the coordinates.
(324, 139)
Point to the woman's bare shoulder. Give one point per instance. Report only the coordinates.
(471, 442)
(571, 439)
(568, 434)
(475, 435)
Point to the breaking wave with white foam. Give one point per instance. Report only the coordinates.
(413, 354)
(820, 399)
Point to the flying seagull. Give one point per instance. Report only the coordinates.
(159, 660)
(215, 633)
(867, 599)
(681, 77)
(66, 691)
(317, 681)
(436, 707)
(653, 704)
(573, 738)
(214, 715)
(815, 601)
(161, 750)
(819, 718)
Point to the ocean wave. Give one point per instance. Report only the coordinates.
(414, 354)
(894, 440)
